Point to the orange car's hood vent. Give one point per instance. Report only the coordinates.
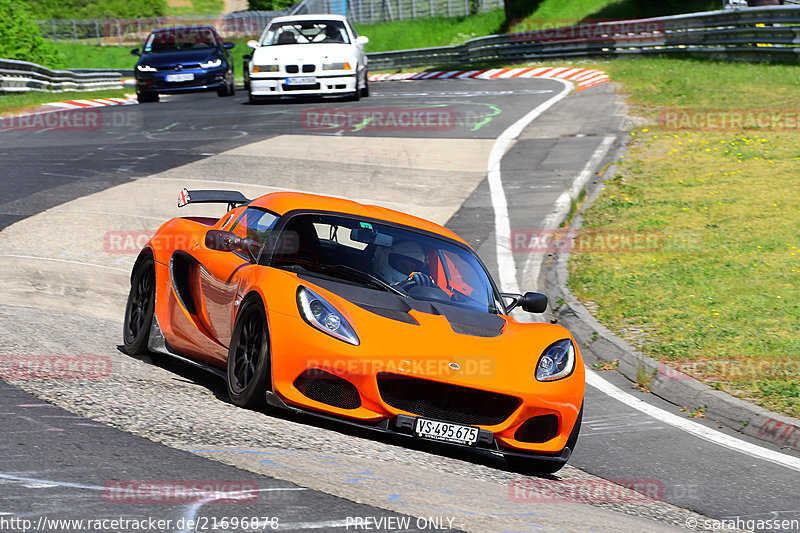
(463, 321)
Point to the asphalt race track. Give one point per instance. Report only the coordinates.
(75, 204)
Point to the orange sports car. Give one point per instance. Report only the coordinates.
(360, 313)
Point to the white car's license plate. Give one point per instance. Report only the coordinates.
(432, 429)
(301, 80)
(180, 77)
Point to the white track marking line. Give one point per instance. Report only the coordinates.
(698, 430)
(508, 282)
(193, 509)
(506, 269)
(532, 267)
(64, 261)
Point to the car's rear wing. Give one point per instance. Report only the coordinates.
(232, 198)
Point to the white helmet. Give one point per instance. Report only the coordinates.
(407, 256)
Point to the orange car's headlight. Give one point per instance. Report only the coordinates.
(557, 361)
(318, 312)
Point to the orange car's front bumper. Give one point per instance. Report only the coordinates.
(297, 348)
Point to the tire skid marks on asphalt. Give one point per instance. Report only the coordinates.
(711, 435)
(480, 505)
(622, 423)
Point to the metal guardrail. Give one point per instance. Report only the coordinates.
(373, 11)
(21, 76)
(752, 34)
(764, 34)
(134, 31)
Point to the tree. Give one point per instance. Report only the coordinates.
(269, 5)
(22, 38)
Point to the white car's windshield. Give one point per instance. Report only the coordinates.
(306, 32)
(412, 264)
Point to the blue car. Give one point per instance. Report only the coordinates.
(183, 59)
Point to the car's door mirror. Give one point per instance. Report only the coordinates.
(253, 44)
(223, 241)
(228, 45)
(362, 40)
(532, 302)
(226, 241)
(135, 52)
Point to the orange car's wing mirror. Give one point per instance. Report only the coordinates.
(532, 302)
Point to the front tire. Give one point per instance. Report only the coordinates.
(146, 97)
(249, 365)
(365, 90)
(229, 89)
(140, 308)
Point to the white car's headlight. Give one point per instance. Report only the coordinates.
(322, 315)
(557, 361)
(145, 68)
(211, 64)
(337, 66)
(264, 68)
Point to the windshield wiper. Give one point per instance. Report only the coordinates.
(364, 276)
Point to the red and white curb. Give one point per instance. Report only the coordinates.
(99, 102)
(582, 77)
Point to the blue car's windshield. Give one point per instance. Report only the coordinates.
(417, 265)
(176, 39)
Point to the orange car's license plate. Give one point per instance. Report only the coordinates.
(445, 431)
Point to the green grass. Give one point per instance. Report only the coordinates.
(724, 291)
(437, 31)
(76, 55)
(12, 103)
(574, 10)
(196, 7)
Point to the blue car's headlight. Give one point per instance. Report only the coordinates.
(145, 68)
(211, 64)
(557, 361)
(323, 316)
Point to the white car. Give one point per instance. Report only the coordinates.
(307, 55)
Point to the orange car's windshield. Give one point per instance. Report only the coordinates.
(413, 264)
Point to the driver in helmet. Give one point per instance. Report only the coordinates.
(402, 264)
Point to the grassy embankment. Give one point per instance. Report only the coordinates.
(721, 299)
